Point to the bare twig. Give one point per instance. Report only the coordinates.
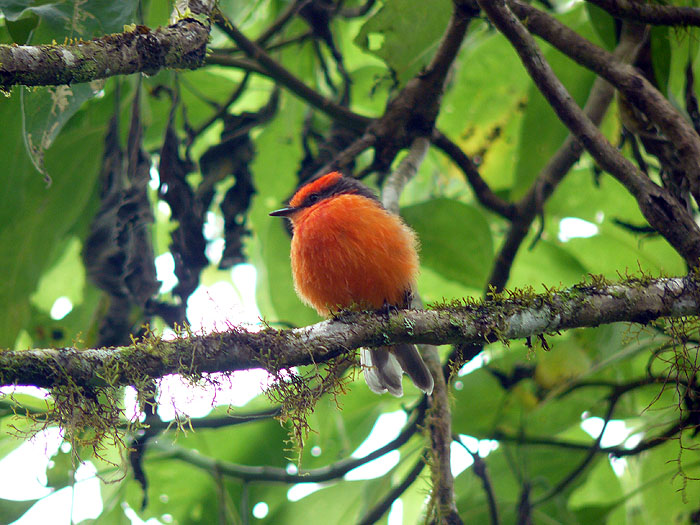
(479, 467)
(284, 17)
(376, 512)
(276, 71)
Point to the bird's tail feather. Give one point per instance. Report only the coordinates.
(384, 366)
(382, 371)
(412, 363)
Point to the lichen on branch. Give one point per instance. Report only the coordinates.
(139, 49)
(518, 314)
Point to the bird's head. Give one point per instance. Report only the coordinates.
(327, 187)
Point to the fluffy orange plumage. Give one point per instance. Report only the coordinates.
(350, 252)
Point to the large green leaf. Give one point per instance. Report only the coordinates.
(384, 34)
(478, 404)
(45, 110)
(34, 219)
(563, 268)
(11, 510)
(455, 239)
(483, 109)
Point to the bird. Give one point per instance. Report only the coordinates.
(349, 252)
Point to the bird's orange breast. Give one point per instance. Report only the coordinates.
(347, 251)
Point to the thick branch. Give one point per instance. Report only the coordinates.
(669, 15)
(179, 46)
(522, 315)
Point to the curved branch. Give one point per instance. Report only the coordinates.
(486, 197)
(660, 208)
(627, 79)
(274, 474)
(376, 512)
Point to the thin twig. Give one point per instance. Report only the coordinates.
(479, 467)
(376, 512)
(251, 473)
(482, 191)
(279, 73)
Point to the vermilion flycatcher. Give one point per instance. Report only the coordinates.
(348, 251)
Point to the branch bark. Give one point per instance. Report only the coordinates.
(521, 315)
(181, 45)
(669, 15)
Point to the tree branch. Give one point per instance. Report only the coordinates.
(486, 197)
(141, 50)
(274, 474)
(668, 15)
(376, 512)
(560, 163)
(659, 207)
(524, 314)
(627, 79)
(277, 72)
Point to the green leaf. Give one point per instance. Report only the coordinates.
(477, 419)
(34, 219)
(45, 110)
(604, 25)
(11, 510)
(60, 472)
(483, 109)
(44, 113)
(21, 29)
(563, 268)
(668, 484)
(278, 149)
(601, 492)
(341, 425)
(455, 239)
(661, 56)
(384, 34)
(542, 131)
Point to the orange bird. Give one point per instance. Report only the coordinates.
(348, 251)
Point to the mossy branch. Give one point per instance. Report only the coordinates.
(519, 314)
(140, 49)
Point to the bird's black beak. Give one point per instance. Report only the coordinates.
(284, 212)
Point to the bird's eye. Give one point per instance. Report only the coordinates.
(312, 199)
